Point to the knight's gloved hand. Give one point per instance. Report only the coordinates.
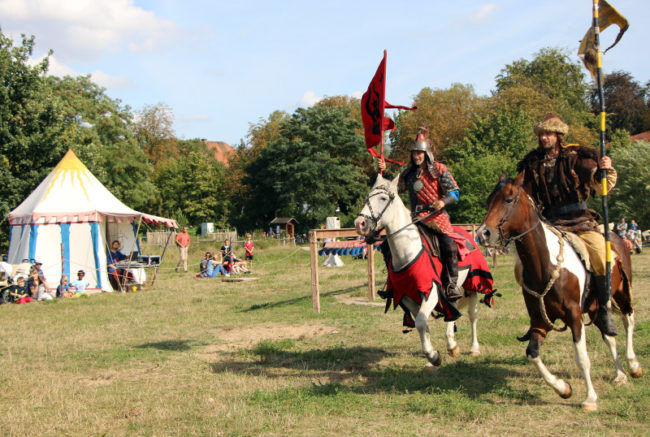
(488, 298)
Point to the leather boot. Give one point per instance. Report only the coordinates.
(604, 320)
(450, 272)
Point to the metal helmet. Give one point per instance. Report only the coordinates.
(423, 144)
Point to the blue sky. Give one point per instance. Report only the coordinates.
(220, 65)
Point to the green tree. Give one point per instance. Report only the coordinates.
(193, 184)
(312, 170)
(550, 72)
(154, 133)
(495, 143)
(32, 128)
(629, 198)
(101, 131)
(447, 113)
(624, 102)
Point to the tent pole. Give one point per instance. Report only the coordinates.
(128, 262)
(162, 256)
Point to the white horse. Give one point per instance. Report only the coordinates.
(384, 209)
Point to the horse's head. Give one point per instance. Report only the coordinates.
(376, 209)
(506, 216)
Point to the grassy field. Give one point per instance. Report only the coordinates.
(204, 357)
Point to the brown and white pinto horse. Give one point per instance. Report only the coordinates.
(554, 282)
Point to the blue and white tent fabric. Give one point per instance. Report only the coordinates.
(67, 221)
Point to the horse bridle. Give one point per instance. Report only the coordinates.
(506, 217)
(375, 218)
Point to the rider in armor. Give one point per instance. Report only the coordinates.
(431, 188)
(560, 178)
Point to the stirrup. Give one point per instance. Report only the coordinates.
(452, 293)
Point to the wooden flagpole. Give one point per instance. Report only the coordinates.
(603, 151)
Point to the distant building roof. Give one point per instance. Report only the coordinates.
(222, 150)
(643, 136)
(283, 221)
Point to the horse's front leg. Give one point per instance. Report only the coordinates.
(421, 324)
(532, 353)
(580, 345)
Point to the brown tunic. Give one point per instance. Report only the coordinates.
(562, 185)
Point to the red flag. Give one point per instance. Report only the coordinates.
(373, 103)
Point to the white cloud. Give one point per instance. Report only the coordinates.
(482, 14)
(87, 29)
(309, 99)
(111, 82)
(59, 69)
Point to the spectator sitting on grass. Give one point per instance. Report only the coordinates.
(204, 265)
(19, 292)
(214, 268)
(37, 286)
(81, 283)
(64, 289)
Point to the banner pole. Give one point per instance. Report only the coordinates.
(603, 151)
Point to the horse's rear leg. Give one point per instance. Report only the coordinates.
(532, 353)
(472, 312)
(632, 363)
(582, 359)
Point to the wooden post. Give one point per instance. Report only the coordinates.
(162, 256)
(314, 259)
(371, 273)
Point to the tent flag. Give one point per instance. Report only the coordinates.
(373, 104)
(607, 15)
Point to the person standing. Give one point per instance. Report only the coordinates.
(560, 178)
(183, 243)
(248, 245)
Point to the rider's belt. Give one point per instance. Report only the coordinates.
(569, 209)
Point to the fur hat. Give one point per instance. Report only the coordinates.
(551, 123)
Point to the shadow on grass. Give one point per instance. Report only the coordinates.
(168, 345)
(286, 302)
(355, 370)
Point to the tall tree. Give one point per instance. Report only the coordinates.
(32, 128)
(193, 185)
(447, 113)
(155, 133)
(100, 129)
(550, 72)
(624, 102)
(629, 198)
(495, 143)
(311, 171)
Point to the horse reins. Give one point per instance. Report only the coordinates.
(555, 275)
(375, 220)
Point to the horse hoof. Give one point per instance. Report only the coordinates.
(438, 361)
(430, 367)
(475, 354)
(621, 379)
(637, 373)
(566, 394)
(589, 407)
(454, 352)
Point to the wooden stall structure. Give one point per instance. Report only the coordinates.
(285, 223)
(320, 234)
